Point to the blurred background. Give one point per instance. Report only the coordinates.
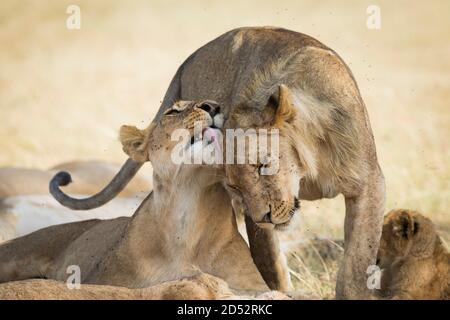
(65, 93)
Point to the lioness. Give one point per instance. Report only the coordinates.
(185, 226)
(276, 78)
(199, 287)
(415, 263)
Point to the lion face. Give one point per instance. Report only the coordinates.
(405, 233)
(409, 255)
(267, 189)
(269, 198)
(185, 128)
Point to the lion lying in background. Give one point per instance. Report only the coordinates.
(26, 205)
(90, 176)
(22, 215)
(415, 262)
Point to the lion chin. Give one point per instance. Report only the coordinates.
(286, 225)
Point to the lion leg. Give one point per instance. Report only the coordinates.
(267, 256)
(363, 225)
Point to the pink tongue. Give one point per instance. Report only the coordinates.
(212, 135)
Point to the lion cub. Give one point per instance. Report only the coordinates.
(415, 263)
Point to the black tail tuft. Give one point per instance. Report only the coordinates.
(62, 178)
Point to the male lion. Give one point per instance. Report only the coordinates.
(184, 227)
(415, 263)
(326, 143)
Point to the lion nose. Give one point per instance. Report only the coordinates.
(212, 108)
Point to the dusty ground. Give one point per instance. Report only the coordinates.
(64, 93)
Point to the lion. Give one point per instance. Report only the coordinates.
(90, 176)
(272, 78)
(26, 205)
(199, 287)
(414, 260)
(182, 228)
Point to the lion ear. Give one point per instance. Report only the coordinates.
(282, 100)
(134, 142)
(404, 225)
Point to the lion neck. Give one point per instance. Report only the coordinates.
(184, 218)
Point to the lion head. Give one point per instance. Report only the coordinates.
(412, 256)
(267, 188)
(185, 129)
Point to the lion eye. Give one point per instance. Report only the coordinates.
(232, 187)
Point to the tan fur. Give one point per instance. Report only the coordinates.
(90, 177)
(415, 262)
(133, 140)
(327, 148)
(186, 226)
(200, 287)
(318, 146)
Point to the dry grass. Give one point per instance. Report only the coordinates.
(313, 265)
(64, 94)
